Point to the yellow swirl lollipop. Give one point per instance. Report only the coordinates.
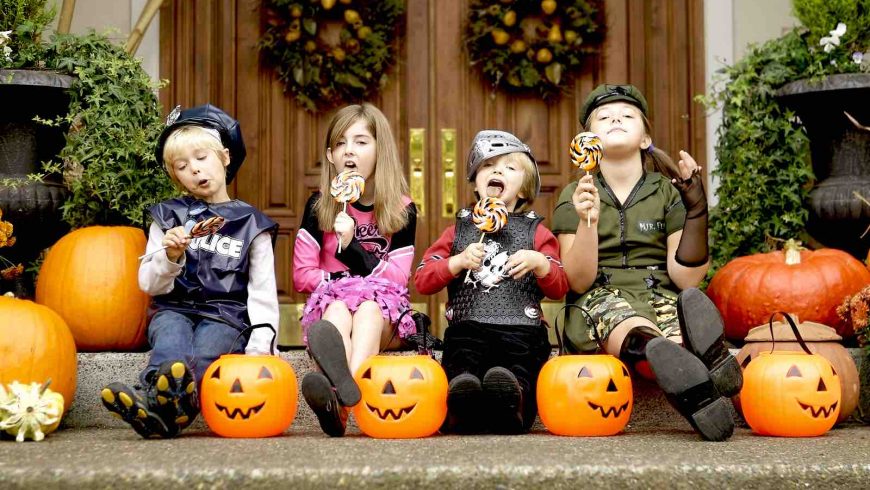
(489, 215)
(347, 187)
(586, 153)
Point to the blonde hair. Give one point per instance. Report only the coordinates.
(391, 214)
(655, 160)
(530, 179)
(195, 137)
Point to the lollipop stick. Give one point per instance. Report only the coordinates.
(149, 254)
(468, 274)
(338, 235)
(588, 213)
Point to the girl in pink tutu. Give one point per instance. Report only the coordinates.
(358, 286)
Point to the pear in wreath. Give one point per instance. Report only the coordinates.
(29, 411)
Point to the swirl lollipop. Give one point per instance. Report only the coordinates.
(489, 216)
(347, 187)
(586, 154)
(195, 229)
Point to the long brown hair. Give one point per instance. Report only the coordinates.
(654, 159)
(391, 213)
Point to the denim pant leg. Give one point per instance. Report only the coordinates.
(212, 339)
(171, 337)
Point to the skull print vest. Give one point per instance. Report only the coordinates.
(490, 295)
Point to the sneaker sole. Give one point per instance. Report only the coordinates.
(122, 402)
(504, 394)
(464, 405)
(317, 391)
(687, 384)
(704, 335)
(327, 348)
(176, 387)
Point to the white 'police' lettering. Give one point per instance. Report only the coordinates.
(219, 244)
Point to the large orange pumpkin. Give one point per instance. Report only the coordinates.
(821, 340)
(35, 345)
(402, 397)
(90, 278)
(808, 283)
(588, 395)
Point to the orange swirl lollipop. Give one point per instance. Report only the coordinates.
(347, 187)
(207, 227)
(586, 153)
(489, 215)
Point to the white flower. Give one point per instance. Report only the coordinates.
(7, 52)
(834, 62)
(832, 41)
(4, 37)
(858, 57)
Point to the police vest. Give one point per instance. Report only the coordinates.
(214, 282)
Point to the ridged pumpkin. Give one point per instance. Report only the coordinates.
(35, 345)
(90, 278)
(808, 283)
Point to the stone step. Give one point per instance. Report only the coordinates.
(95, 370)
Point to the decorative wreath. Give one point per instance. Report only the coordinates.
(321, 72)
(533, 45)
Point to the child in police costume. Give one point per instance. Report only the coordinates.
(496, 342)
(634, 271)
(206, 291)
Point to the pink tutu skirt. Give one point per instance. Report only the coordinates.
(353, 291)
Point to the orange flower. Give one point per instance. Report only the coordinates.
(12, 272)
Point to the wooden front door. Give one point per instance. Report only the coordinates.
(435, 102)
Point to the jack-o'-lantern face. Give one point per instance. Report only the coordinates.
(585, 395)
(249, 396)
(402, 396)
(790, 394)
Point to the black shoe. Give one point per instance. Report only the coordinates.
(128, 406)
(320, 396)
(633, 349)
(704, 335)
(464, 405)
(172, 394)
(687, 384)
(504, 397)
(327, 349)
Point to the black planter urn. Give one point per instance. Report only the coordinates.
(33, 208)
(840, 151)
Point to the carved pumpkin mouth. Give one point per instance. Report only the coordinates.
(244, 414)
(615, 411)
(389, 412)
(817, 412)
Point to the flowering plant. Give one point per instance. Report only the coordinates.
(8, 269)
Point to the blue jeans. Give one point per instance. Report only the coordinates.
(196, 341)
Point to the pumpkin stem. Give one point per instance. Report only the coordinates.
(793, 251)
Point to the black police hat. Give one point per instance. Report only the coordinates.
(208, 116)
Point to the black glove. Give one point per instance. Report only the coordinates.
(693, 250)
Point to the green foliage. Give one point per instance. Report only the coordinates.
(322, 73)
(25, 18)
(822, 16)
(113, 120)
(522, 48)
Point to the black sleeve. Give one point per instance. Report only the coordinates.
(362, 262)
(309, 219)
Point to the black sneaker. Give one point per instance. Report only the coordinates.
(321, 397)
(327, 349)
(128, 406)
(464, 405)
(172, 394)
(504, 397)
(704, 335)
(687, 384)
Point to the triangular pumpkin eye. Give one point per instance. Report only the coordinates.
(746, 361)
(237, 387)
(794, 372)
(584, 373)
(264, 373)
(821, 386)
(624, 371)
(834, 371)
(217, 373)
(389, 389)
(367, 374)
(611, 387)
(416, 374)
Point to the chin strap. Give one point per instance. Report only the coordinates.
(692, 250)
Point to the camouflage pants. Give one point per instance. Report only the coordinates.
(606, 307)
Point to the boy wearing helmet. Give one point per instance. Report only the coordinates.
(207, 290)
(496, 342)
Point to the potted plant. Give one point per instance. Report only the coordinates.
(108, 128)
(766, 177)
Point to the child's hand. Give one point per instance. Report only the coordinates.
(586, 200)
(688, 166)
(175, 240)
(472, 256)
(524, 261)
(344, 226)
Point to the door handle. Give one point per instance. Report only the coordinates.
(417, 153)
(448, 166)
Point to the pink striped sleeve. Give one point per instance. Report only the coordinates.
(396, 266)
(307, 274)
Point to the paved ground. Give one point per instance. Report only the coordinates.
(115, 458)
